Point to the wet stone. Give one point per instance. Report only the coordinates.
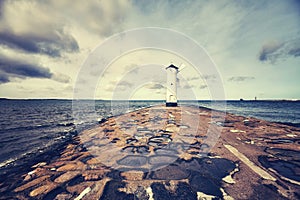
(210, 170)
(226, 123)
(66, 176)
(44, 189)
(165, 135)
(184, 191)
(287, 153)
(251, 124)
(32, 183)
(136, 149)
(163, 131)
(115, 140)
(148, 135)
(216, 167)
(144, 130)
(129, 149)
(159, 139)
(133, 160)
(165, 151)
(39, 164)
(156, 144)
(206, 185)
(96, 190)
(287, 169)
(196, 144)
(63, 197)
(53, 193)
(141, 193)
(172, 129)
(185, 146)
(142, 149)
(264, 191)
(88, 144)
(297, 195)
(86, 158)
(93, 161)
(170, 172)
(93, 174)
(131, 140)
(76, 180)
(184, 126)
(108, 130)
(34, 173)
(71, 166)
(77, 189)
(171, 121)
(175, 145)
(162, 159)
(125, 169)
(71, 157)
(204, 146)
(102, 121)
(201, 136)
(281, 141)
(160, 192)
(112, 191)
(194, 152)
(133, 175)
(139, 136)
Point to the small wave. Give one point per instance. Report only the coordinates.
(66, 124)
(22, 128)
(12, 160)
(32, 151)
(290, 124)
(79, 122)
(6, 162)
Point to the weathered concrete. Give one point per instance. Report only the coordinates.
(164, 153)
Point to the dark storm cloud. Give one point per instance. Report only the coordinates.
(274, 51)
(52, 44)
(294, 52)
(240, 78)
(21, 69)
(4, 78)
(268, 49)
(1, 7)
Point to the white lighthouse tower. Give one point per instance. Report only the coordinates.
(171, 98)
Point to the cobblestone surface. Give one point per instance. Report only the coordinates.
(160, 153)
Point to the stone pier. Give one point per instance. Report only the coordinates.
(170, 153)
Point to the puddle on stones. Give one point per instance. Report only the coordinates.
(287, 169)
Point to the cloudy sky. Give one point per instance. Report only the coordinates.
(255, 46)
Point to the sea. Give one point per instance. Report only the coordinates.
(35, 130)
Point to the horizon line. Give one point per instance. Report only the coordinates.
(70, 99)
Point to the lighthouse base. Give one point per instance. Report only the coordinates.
(171, 104)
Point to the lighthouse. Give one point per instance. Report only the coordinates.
(171, 98)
